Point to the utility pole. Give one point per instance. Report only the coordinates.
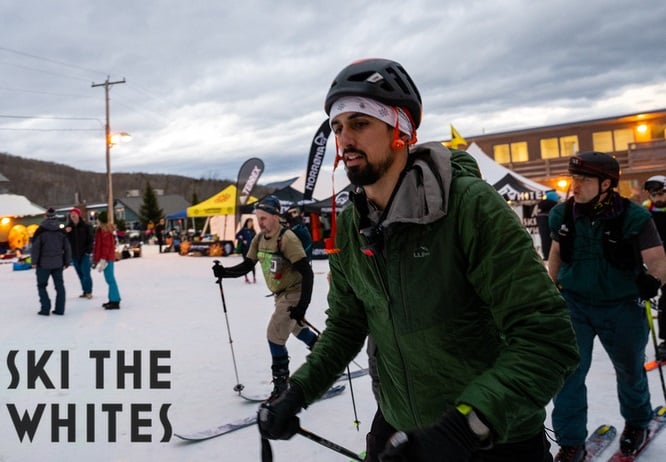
(109, 184)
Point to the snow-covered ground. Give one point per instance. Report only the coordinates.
(172, 307)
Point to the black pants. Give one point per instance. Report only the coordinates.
(536, 449)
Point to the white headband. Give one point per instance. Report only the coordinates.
(372, 108)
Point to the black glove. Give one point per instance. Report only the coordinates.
(277, 418)
(218, 270)
(450, 439)
(298, 313)
(648, 286)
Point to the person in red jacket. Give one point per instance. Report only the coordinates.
(104, 256)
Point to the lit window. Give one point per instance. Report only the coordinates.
(622, 138)
(519, 152)
(501, 153)
(568, 145)
(550, 148)
(602, 141)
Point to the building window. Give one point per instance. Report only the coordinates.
(501, 153)
(568, 145)
(519, 152)
(514, 152)
(550, 148)
(622, 138)
(602, 141)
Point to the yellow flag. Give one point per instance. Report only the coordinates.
(456, 138)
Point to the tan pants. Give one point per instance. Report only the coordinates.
(281, 325)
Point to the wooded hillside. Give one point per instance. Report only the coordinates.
(56, 185)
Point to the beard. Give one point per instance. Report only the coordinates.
(369, 173)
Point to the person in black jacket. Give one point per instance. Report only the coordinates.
(543, 209)
(656, 204)
(51, 254)
(80, 236)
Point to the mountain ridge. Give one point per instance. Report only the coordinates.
(51, 184)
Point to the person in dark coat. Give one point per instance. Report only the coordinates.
(244, 238)
(51, 255)
(160, 230)
(656, 204)
(543, 209)
(80, 236)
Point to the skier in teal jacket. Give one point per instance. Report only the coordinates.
(601, 242)
(473, 338)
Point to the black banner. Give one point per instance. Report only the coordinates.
(316, 158)
(248, 176)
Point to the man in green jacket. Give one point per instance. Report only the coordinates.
(472, 337)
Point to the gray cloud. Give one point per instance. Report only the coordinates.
(209, 84)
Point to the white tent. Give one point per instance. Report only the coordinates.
(15, 206)
(511, 185)
(521, 193)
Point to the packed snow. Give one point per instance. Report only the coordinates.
(172, 319)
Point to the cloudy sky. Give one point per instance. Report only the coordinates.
(209, 84)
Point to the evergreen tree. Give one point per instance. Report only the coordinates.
(150, 209)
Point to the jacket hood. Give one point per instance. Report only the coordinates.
(50, 224)
(423, 194)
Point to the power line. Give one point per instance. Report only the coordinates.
(41, 92)
(51, 129)
(5, 116)
(23, 53)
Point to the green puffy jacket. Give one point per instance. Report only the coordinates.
(459, 305)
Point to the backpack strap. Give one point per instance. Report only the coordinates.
(283, 230)
(567, 232)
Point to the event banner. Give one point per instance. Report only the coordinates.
(317, 152)
(248, 176)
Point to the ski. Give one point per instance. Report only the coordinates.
(658, 423)
(241, 423)
(354, 374)
(598, 441)
(333, 391)
(218, 431)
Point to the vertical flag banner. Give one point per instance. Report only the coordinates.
(248, 176)
(316, 158)
(456, 138)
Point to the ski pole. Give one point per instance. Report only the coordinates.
(318, 332)
(648, 309)
(266, 450)
(351, 390)
(349, 377)
(329, 444)
(239, 387)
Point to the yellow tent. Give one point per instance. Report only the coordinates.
(221, 204)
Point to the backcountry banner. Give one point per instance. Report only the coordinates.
(316, 158)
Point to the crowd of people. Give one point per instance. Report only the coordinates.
(55, 248)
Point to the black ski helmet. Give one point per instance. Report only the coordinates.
(655, 183)
(596, 164)
(380, 79)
